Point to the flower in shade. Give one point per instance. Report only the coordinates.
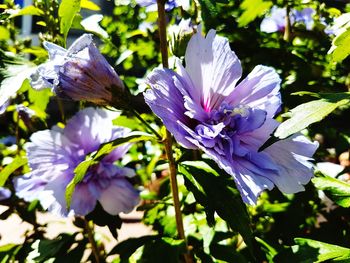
(277, 19)
(54, 154)
(204, 108)
(80, 73)
(151, 5)
(4, 193)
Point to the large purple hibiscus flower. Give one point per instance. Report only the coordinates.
(54, 154)
(204, 109)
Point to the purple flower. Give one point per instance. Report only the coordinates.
(4, 193)
(203, 108)
(151, 5)
(276, 22)
(4, 106)
(54, 154)
(80, 73)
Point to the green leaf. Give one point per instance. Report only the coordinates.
(87, 4)
(326, 251)
(93, 158)
(8, 252)
(165, 248)
(312, 251)
(335, 189)
(217, 193)
(208, 8)
(67, 11)
(252, 9)
(15, 76)
(79, 174)
(4, 33)
(270, 251)
(126, 248)
(340, 48)
(17, 162)
(305, 114)
(53, 248)
(40, 98)
(28, 10)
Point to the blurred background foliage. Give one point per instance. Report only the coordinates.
(311, 226)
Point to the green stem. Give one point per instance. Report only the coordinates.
(60, 108)
(168, 141)
(90, 233)
(149, 127)
(288, 27)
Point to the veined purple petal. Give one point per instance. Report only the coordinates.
(54, 154)
(212, 67)
(292, 157)
(167, 102)
(260, 89)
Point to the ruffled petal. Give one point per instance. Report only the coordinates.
(119, 197)
(260, 89)
(213, 68)
(166, 101)
(292, 157)
(49, 147)
(85, 128)
(83, 201)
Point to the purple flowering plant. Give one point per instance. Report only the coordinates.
(204, 158)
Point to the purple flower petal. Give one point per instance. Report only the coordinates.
(260, 89)
(119, 197)
(4, 193)
(54, 154)
(212, 67)
(292, 157)
(167, 102)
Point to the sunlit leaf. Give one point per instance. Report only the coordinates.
(308, 113)
(251, 10)
(4, 33)
(87, 4)
(15, 75)
(17, 162)
(28, 10)
(66, 11)
(335, 189)
(340, 48)
(308, 250)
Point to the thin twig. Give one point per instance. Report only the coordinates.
(148, 126)
(168, 141)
